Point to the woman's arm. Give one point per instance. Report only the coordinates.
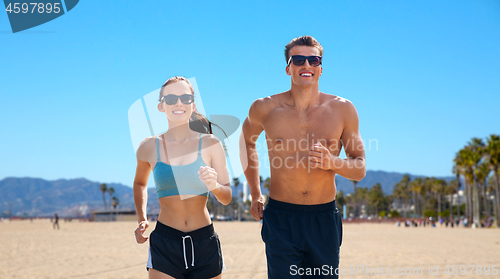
(140, 190)
(216, 177)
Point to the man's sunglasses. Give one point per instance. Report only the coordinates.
(299, 60)
(171, 99)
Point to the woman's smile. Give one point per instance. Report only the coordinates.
(178, 111)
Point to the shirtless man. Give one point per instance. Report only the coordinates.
(305, 131)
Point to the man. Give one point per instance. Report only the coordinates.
(305, 131)
(56, 221)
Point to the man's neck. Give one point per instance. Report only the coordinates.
(304, 97)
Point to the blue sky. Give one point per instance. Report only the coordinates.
(423, 75)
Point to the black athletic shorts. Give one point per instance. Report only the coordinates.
(302, 241)
(195, 254)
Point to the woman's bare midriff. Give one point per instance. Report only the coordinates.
(185, 215)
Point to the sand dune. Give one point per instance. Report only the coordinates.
(108, 250)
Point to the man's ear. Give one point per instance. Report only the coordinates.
(287, 70)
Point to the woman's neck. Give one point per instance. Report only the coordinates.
(179, 133)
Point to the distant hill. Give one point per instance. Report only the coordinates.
(38, 197)
(77, 197)
(386, 179)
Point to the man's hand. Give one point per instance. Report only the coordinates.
(257, 207)
(320, 157)
(140, 230)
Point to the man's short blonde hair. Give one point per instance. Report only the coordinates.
(302, 41)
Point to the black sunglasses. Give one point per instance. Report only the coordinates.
(171, 99)
(299, 60)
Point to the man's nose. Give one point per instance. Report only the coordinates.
(306, 64)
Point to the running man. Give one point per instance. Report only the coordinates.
(305, 131)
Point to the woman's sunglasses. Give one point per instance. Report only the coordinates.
(299, 60)
(171, 99)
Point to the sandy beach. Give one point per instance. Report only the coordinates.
(108, 250)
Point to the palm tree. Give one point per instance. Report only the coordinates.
(401, 192)
(463, 158)
(477, 151)
(451, 189)
(438, 188)
(490, 190)
(340, 201)
(482, 178)
(104, 188)
(363, 196)
(416, 188)
(376, 197)
(236, 182)
(111, 191)
(493, 157)
(267, 183)
(457, 170)
(115, 202)
(354, 182)
(423, 194)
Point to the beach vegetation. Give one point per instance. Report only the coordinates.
(394, 214)
(430, 213)
(473, 195)
(104, 188)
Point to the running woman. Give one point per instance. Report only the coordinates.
(188, 162)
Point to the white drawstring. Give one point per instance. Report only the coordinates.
(184, 248)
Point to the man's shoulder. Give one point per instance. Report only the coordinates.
(266, 104)
(336, 101)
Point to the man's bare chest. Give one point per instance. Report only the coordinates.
(297, 131)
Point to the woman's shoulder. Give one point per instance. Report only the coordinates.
(212, 146)
(147, 147)
(210, 139)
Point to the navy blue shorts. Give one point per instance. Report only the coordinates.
(195, 254)
(302, 241)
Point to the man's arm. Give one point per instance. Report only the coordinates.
(251, 129)
(353, 167)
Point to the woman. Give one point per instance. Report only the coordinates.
(187, 163)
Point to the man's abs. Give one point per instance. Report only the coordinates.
(300, 185)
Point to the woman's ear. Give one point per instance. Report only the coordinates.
(160, 107)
